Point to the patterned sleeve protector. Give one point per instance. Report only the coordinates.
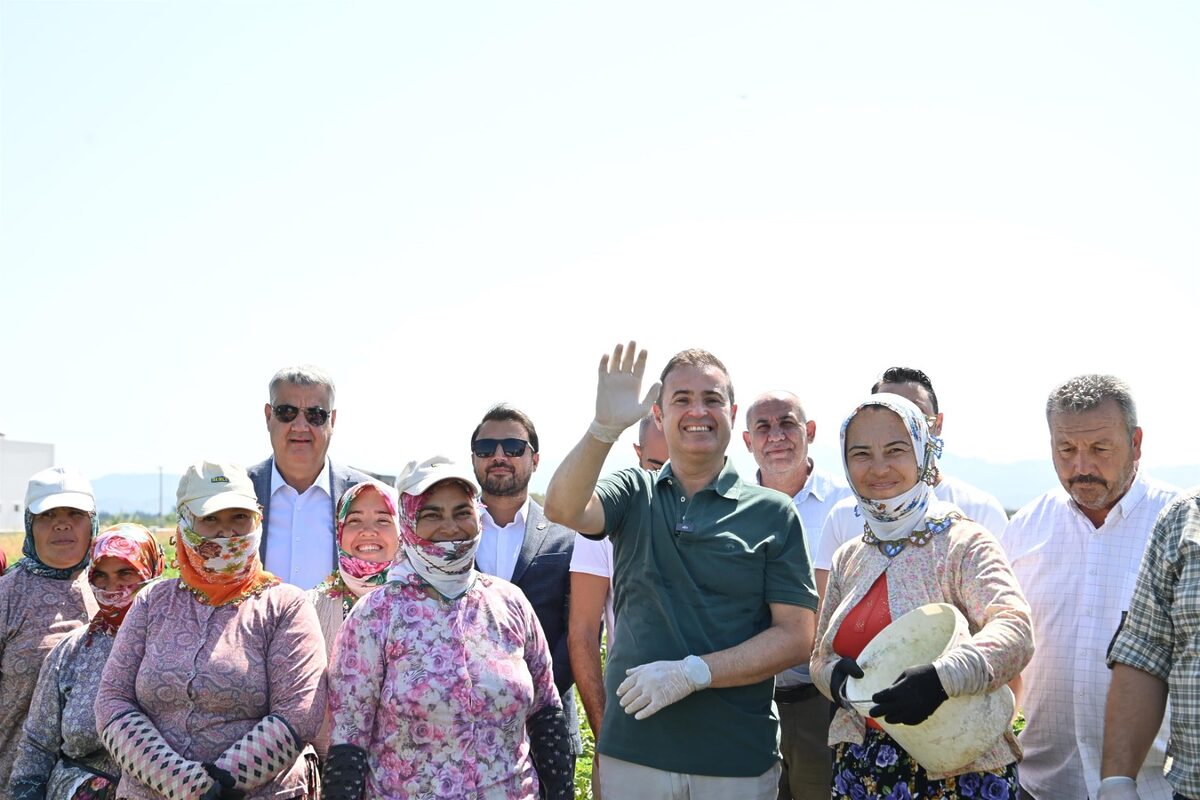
(141, 751)
(550, 746)
(268, 749)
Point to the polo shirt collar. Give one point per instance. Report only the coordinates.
(322, 481)
(728, 483)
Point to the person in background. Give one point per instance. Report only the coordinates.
(367, 539)
(915, 550)
(297, 486)
(592, 601)
(214, 684)
(59, 756)
(1076, 551)
(440, 682)
(518, 543)
(845, 522)
(1153, 655)
(706, 572)
(778, 433)
(44, 597)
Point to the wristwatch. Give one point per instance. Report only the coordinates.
(697, 672)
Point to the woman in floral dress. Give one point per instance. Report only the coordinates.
(914, 551)
(59, 756)
(440, 681)
(367, 540)
(214, 683)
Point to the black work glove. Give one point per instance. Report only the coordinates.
(844, 668)
(226, 782)
(345, 774)
(550, 749)
(915, 695)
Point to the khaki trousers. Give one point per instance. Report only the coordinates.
(623, 780)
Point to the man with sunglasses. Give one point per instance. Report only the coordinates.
(298, 486)
(518, 543)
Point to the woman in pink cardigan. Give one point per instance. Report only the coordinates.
(214, 686)
(914, 550)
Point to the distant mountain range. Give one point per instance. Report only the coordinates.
(1014, 484)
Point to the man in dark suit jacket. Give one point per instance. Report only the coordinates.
(298, 487)
(518, 543)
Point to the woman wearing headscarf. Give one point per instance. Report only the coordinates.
(44, 597)
(440, 682)
(59, 756)
(914, 551)
(367, 541)
(214, 683)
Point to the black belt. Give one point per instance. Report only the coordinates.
(794, 694)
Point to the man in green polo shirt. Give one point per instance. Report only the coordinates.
(712, 584)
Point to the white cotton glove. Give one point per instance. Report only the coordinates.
(1118, 787)
(617, 389)
(652, 687)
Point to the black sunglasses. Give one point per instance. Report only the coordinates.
(513, 448)
(315, 415)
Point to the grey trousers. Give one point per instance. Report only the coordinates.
(804, 743)
(628, 781)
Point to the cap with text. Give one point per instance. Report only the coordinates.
(208, 487)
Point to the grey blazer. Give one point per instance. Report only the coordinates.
(340, 479)
(543, 573)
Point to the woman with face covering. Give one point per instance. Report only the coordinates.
(440, 681)
(367, 540)
(214, 683)
(59, 756)
(914, 550)
(44, 597)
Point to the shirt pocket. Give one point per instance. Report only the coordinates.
(724, 564)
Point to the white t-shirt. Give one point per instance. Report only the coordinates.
(1078, 580)
(595, 557)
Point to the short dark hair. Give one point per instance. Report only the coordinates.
(693, 357)
(1085, 392)
(644, 426)
(502, 412)
(907, 375)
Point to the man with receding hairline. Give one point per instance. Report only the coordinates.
(1076, 552)
(713, 589)
(778, 433)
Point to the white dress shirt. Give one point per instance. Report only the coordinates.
(500, 546)
(844, 523)
(819, 495)
(1079, 580)
(300, 535)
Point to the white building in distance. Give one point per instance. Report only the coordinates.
(18, 462)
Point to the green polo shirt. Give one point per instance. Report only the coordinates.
(693, 577)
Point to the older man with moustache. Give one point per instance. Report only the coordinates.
(778, 433)
(844, 523)
(298, 487)
(707, 594)
(591, 598)
(1076, 552)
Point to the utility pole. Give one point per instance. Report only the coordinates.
(160, 516)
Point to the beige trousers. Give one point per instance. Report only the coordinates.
(628, 781)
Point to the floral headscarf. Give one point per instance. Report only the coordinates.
(32, 562)
(896, 517)
(449, 567)
(137, 547)
(354, 576)
(224, 570)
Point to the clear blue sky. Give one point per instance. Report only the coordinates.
(447, 205)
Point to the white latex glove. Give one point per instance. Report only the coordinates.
(652, 687)
(1118, 787)
(617, 389)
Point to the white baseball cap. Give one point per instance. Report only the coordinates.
(416, 478)
(58, 487)
(209, 486)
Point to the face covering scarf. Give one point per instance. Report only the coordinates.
(135, 546)
(223, 570)
(896, 517)
(449, 567)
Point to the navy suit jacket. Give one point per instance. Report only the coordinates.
(543, 573)
(340, 479)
